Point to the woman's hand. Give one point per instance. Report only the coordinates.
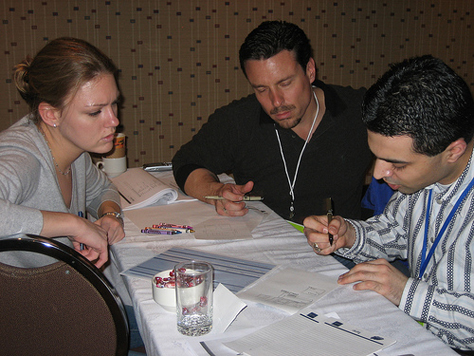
(82, 232)
(113, 227)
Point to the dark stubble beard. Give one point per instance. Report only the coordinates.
(283, 109)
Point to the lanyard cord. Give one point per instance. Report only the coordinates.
(425, 260)
(292, 185)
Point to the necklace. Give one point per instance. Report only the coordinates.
(290, 183)
(54, 160)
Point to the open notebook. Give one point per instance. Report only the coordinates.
(139, 189)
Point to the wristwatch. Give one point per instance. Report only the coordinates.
(117, 215)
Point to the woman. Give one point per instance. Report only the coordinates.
(47, 178)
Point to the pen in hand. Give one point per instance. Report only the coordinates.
(81, 215)
(329, 216)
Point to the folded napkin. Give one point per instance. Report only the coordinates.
(226, 308)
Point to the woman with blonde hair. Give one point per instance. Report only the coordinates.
(47, 178)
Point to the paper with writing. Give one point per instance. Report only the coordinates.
(139, 189)
(310, 334)
(290, 289)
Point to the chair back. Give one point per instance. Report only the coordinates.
(65, 308)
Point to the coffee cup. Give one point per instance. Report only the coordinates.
(119, 147)
(112, 166)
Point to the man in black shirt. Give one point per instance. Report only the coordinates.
(296, 141)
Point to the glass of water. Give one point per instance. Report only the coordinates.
(194, 288)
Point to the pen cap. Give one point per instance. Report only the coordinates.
(328, 203)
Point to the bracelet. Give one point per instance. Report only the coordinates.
(118, 216)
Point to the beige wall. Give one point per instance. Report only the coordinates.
(179, 59)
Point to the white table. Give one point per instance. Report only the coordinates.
(276, 242)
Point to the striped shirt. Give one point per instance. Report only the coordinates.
(443, 298)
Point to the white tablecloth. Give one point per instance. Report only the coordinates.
(274, 241)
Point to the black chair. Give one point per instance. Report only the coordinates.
(65, 308)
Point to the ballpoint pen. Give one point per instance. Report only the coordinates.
(244, 198)
(329, 216)
(81, 215)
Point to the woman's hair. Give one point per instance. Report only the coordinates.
(58, 71)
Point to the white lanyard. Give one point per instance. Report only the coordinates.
(292, 184)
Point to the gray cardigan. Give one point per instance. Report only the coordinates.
(28, 182)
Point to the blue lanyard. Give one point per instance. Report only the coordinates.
(426, 260)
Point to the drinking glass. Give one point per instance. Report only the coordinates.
(194, 288)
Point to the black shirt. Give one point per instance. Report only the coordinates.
(240, 138)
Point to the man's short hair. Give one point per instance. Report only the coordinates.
(272, 37)
(424, 99)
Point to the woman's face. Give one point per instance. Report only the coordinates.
(88, 121)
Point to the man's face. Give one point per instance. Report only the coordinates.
(403, 169)
(283, 88)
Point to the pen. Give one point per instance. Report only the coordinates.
(160, 232)
(329, 216)
(123, 196)
(245, 198)
(81, 215)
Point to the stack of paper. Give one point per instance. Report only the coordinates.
(139, 189)
(310, 334)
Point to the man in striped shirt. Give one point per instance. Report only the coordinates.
(420, 121)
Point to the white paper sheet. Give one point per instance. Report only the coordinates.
(208, 225)
(139, 189)
(167, 178)
(290, 289)
(310, 334)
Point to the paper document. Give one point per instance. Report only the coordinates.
(223, 228)
(290, 289)
(234, 273)
(202, 217)
(167, 178)
(310, 334)
(139, 189)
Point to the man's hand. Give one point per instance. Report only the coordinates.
(202, 182)
(316, 230)
(378, 275)
(232, 204)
